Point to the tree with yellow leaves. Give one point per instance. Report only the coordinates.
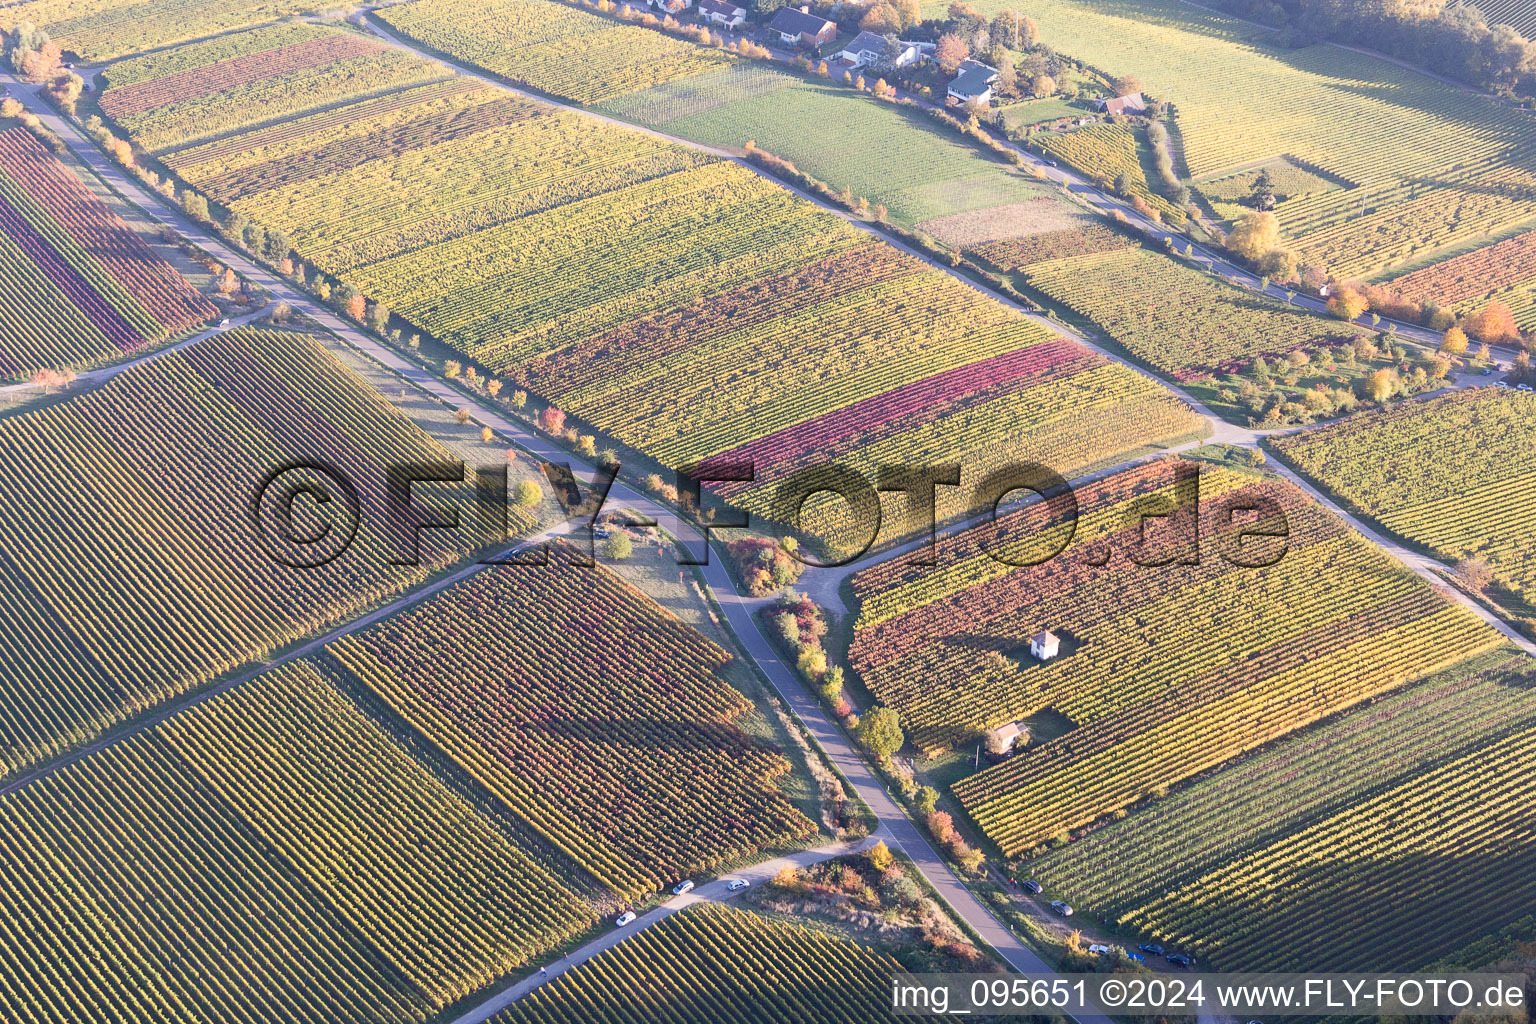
(1347, 304)
(1255, 235)
(1454, 343)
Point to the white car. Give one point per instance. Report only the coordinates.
(224, 322)
(736, 885)
(625, 918)
(1098, 949)
(686, 885)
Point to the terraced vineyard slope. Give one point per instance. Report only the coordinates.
(130, 569)
(559, 50)
(1425, 866)
(98, 30)
(135, 895)
(1174, 317)
(672, 301)
(446, 896)
(723, 965)
(1452, 475)
(1297, 782)
(1169, 668)
(82, 287)
(593, 714)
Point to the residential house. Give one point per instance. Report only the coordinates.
(670, 6)
(1045, 645)
(1132, 104)
(721, 12)
(972, 83)
(797, 26)
(868, 49)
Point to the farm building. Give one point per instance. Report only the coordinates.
(799, 27)
(1132, 104)
(869, 49)
(973, 83)
(1002, 739)
(1045, 645)
(722, 13)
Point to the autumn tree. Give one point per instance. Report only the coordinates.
(1278, 264)
(618, 547)
(1007, 84)
(1381, 385)
(65, 88)
(1347, 304)
(48, 379)
(882, 19)
(1042, 86)
(378, 317)
(950, 51)
(37, 65)
(1256, 234)
(880, 732)
(1029, 33)
(1454, 342)
(228, 282)
(911, 12)
(527, 494)
(552, 420)
(1493, 324)
(194, 205)
(964, 14)
(1126, 85)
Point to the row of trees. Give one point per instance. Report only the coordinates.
(1453, 39)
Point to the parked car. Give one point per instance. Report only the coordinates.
(1061, 907)
(1151, 947)
(1181, 960)
(625, 918)
(224, 322)
(601, 534)
(1525, 387)
(686, 885)
(736, 885)
(1487, 372)
(1033, 887)
(1098, 949)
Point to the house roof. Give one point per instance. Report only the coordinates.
(720, 7)
(1007, 731)
(1045, 637)
(871, 41)
(793, 21)
(1120, 104)
(973, 80)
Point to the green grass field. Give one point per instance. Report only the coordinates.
(1019, 115)
(889, 155)
(1430, 165)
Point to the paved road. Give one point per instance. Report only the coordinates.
(710, 892)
